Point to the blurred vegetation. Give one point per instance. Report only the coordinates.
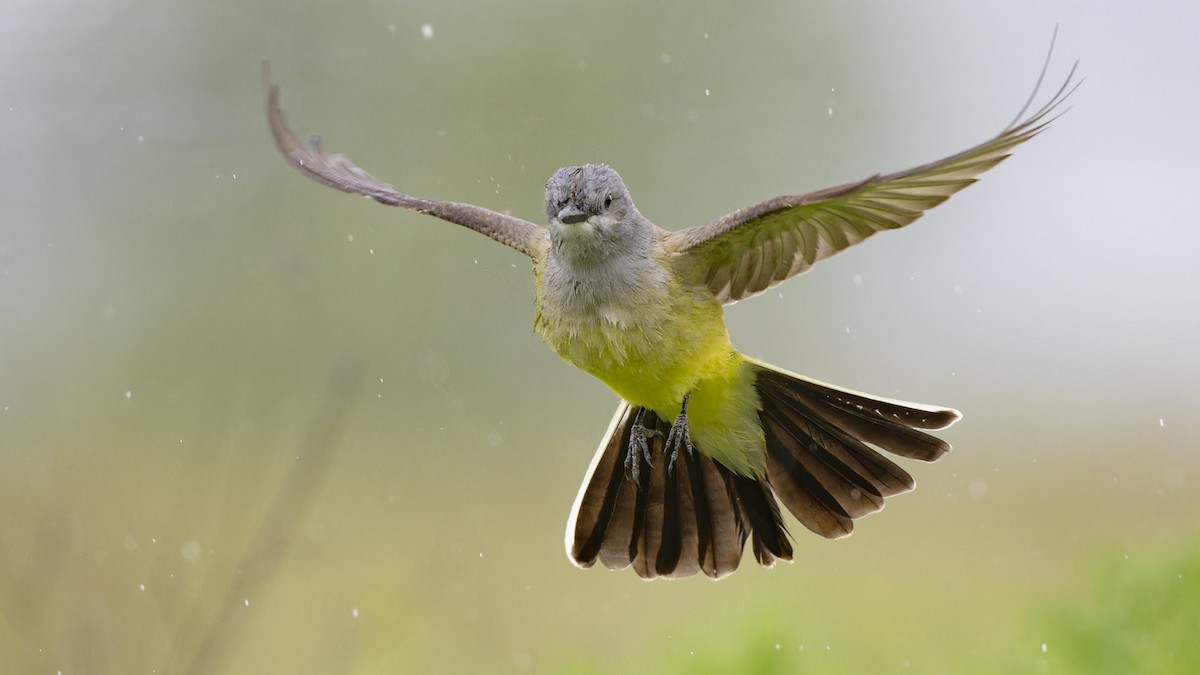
(1141, 614)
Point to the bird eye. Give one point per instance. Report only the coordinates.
(608, 200)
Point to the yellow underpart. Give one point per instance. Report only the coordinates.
(654, 347)
(723, 419)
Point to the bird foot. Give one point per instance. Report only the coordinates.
(639, 451)
(639, 448)
(679, 438)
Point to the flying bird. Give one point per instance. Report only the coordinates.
(706, 442)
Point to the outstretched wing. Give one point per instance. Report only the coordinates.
(337, 171)
(752, 249)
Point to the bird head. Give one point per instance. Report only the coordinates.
(588, 207)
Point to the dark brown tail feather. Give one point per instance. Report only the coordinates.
(818, 460)
(695, 518)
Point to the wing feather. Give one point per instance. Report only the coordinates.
(755, 248)
(338, 172)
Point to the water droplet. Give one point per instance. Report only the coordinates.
(977, 489)
(190, 551)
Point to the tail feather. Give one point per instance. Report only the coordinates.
(695, 518)
(599, 505)
(892, 425)
(822, 463)
(802, 492)
(649, 524)
(895, 436)
(818, 458)
(718, 515)
(758, 506)
(801, 428)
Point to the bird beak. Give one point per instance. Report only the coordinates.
(571, 214)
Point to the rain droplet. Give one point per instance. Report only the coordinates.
(190, 551)
(977, 489)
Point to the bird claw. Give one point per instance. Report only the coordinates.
(679, 437)
(639, 444)
(639, 448)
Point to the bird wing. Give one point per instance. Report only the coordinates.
(337, 171)
(755, 248)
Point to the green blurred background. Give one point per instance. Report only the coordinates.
(251, 425)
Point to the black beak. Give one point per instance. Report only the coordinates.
(571, 214)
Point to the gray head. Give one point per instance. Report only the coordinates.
(588, 207)
(576, 193)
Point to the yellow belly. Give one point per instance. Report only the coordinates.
(655, 347)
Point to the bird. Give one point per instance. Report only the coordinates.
(706, 442)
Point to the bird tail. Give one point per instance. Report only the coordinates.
(822, 461)
(694, 515)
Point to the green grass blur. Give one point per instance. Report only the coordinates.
(1140, 614)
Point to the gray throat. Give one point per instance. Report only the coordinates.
(608, 268)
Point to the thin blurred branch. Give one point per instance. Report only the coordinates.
(26, 596)
(277, 531)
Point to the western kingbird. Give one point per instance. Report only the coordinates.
(705, 439)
